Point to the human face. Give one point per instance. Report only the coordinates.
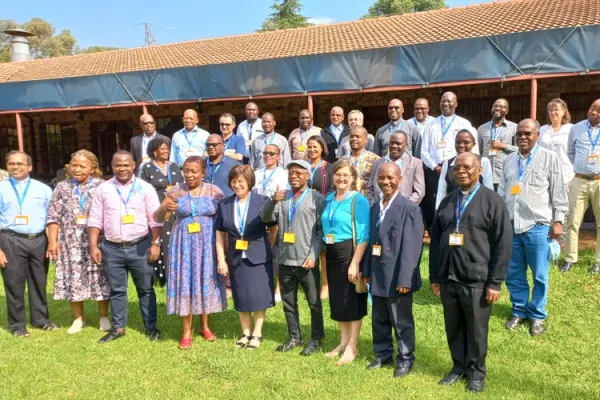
(594, 113)
(499, 109)
(463, 143)
(190, 119)
(526, 136)
(397, 146)
(239, 186)
(305, 120)
(297, 177)
(18, 167)
(357, 140)
(556, 114)
(336, 116)
(147, 124)
(214, 146)
(342, 179)
(123, 166)
(271, 156)
(448, 104)
(80, 169)
(193, 173)
(467, 172)
(354, 120)
(162, 153)
(251, 112)
(388, 180)
(268, 123)
(314, 150)
(421, 109)
(395, 110)
(226, 126)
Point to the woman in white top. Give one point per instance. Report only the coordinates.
(555, 135)
(272, 174)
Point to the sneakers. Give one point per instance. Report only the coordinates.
(76, 327)
(277, 298)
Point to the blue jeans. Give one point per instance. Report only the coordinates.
(529, 248)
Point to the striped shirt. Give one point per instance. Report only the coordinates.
(543, 196)
(434, 149)
(580, 148)
(506, 134)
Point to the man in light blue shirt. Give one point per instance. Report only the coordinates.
(190, 141)
(23, 209)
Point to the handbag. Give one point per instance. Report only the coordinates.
(360, 286)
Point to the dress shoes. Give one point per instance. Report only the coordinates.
(475, 385)
(110, 336)
(153, 335)
(50, 327)
(536, 327)
(451, 379)
(401, 372)
(20, 332)
(514, 322)
(566, 266)
(289, 345)
(314, 346)
(379, 363)
(595, 268)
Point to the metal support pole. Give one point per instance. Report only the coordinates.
(20, 132)
(533, 100)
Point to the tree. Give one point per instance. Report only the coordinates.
(384, 8)
(96, 49)
(286, 15)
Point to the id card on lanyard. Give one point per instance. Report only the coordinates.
(457, 238)
(194, 227)
(517, 187)
(290, 237)
(81, 217)
(241, 244)
(21, 219)
(329, 238)
(128, 218)
(494, 134)
(593, 158)
(445, 128)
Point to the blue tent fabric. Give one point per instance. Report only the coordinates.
(563, 50)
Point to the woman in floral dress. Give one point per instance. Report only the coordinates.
(77, 278)
(194, 286)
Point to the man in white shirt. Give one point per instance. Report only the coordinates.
(420, 120)
(252, 127)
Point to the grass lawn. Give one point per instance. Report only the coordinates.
(562, 364)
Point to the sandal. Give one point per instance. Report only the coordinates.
(208, 335)
(242, 342)
(259, 339)
(185, 343)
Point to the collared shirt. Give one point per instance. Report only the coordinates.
(3, 175)
(35, 205)
(261, 142)
(580, 148)
(434, 150)
(299, 138)
(145, 141)
(364, 165)
(420, 125)
(337, 218)
(486, 177)
(505, 134)
(250, 131)
(344, 148)
(180, 144)
(277, 177)
(412, 185)
(382, 137)
(108, 209)
(218, 174)
(543, 196)
(236, 144)
(336, 131)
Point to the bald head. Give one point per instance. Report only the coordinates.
(305, 119)
(528, 132)
(467, 170)
(268, 123)
(389, 176)
(214, 146)
(472, 158)
(147, 124)
(336, 116)
(594, 113)
(190, 119)
(251, 111)
(448, 104)
(395, 110)
(421, 109)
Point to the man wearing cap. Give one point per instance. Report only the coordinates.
(298, 215)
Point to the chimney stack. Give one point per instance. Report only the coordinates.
(19, 44)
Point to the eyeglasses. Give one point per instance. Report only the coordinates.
(213, 144)
(16, 164)
(148, 123)
(343, 176)
(459, 168)
(393, 108)
(420, 108)
(222, 124)
(269, 153)
(297, 173)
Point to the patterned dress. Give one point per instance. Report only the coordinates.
(77, 277)
(193, 284)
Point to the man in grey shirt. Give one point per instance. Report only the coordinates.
(298, 215)
(268, 137)
(382, 137)
(532, 188)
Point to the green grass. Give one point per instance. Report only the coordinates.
(562, 364)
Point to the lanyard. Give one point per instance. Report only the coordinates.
(334, 130)
(193, 204)
(445, 128)
(461, 210)
(267, 180)
(499, 130)
(398, 162)
(242, 217)
(213, 170)
(20, 198)
(168, 171)
(83, 199)
(131, 189)
(529, 159)
(383, 210)
(400, 126)
(423, 125)
(270, 141)
(361, 155)
(292, 209)
(145, 141)
(313, 170)
(303, 134)
(589, 132)
(189, 140)
(227, 142)
(334, 207)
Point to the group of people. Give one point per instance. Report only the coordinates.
(337, 211)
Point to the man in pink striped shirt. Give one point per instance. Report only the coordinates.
(122, 208)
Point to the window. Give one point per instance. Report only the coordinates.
(168, 125)
(61, 140)
(9, 142)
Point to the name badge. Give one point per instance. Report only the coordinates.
(329, 239)
(128, 219)
(194, 227)
(241, 245)
(493, 151)
(21, 220)
(81, 219)
(441, 144)
(191, 153)
(229, 152)
(248, 143)
(301, 148)
(169, 187)
(289, 237)
(515, 189)
(593, 160)
(145, 159)
(456, 239)
(376, 250)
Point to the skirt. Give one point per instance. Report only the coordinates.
(252, 286)
(344, 303)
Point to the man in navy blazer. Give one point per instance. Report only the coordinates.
(392, 267)
(139, 144)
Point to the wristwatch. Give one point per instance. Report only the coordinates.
(156, 243)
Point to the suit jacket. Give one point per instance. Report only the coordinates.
(332, 144)
(400, 236)
(259, 250)
(135, 147)
(412, 185)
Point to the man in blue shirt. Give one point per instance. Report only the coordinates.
(190, 141)
(234, 146)
(218, 165)
(23, 208)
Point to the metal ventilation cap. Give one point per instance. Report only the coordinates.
(18, 32)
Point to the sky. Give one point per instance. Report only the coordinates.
(120, 23)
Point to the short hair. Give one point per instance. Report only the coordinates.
(274, 145)
(357, 112)
(360, 129)
(244, 171)
(228, 115)
(400, 132)
(154, 145)
(96, 170)
(122, 153)
(321, 141)
(268, 114)
(559, 102)
(13, 152)
(346, 162)
(196, 159)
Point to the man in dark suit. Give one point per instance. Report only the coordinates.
(139, 143)
(334, 133)
(471, 247)
(392, 268)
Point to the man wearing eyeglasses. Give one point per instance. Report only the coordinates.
(139, 143)
(189, 141)
(382, 137)
(218, 164)
(234, 146)
(420, 120)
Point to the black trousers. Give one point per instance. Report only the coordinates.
(467, 317)
(290, 277)
(428, 204)
(394, 313)
(27, 263)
